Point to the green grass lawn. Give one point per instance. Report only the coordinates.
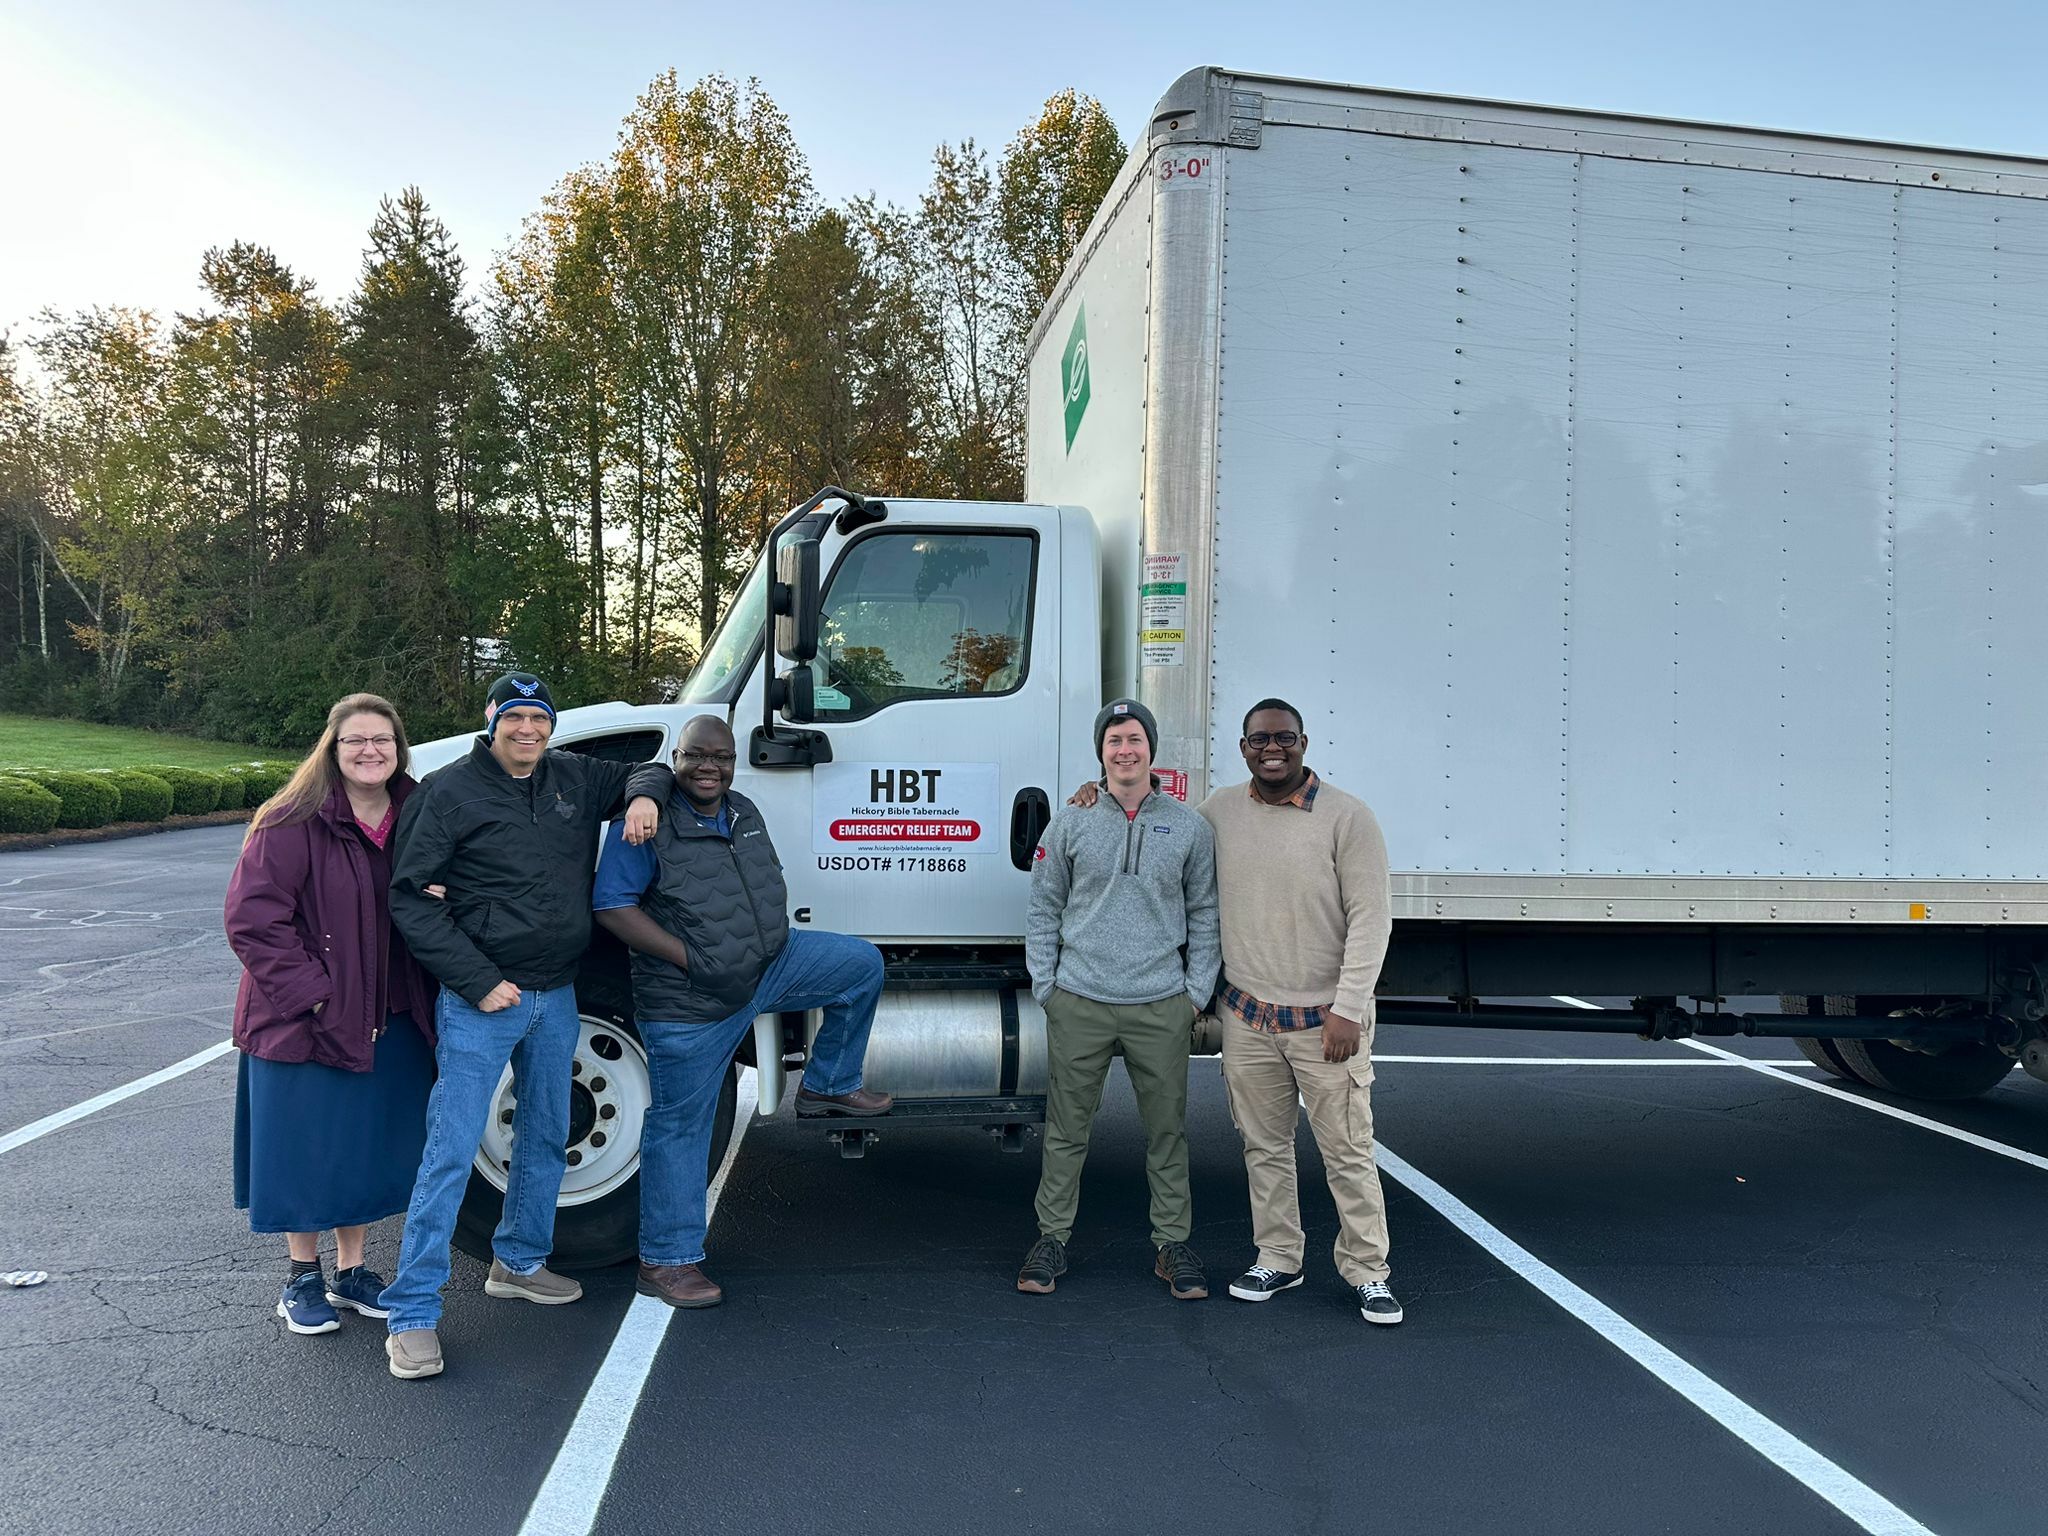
(30, 741)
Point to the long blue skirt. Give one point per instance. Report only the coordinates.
(317, 1147)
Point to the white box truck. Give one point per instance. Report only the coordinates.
(1646, 517)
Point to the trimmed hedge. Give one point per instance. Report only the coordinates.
(194, 791)
(87, 800)
(261, 780)
(26, 806)
(232, 790)
(144, 796)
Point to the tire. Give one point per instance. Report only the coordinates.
(1961, 1072)
(597, 1216)
(1820, 1052)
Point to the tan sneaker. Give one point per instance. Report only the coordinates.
(543, 1286)
(413, 1353)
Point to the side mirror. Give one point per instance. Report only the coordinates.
(795, 695)
(796, 601)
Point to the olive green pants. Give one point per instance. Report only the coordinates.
(1081, 1036)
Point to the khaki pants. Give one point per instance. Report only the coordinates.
(1263, 1073)
(1080, 1036)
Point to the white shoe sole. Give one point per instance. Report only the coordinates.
(301, 1327)
(415, 1372)
(357, 1306)
(1383, 1319)
(505, 1290)
(1265, 1295)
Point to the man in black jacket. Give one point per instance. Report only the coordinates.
(510, 833)
(702, 908)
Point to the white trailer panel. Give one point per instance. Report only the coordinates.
(1645, 515)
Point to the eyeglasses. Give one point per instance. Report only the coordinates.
(357, 743)
(723, 759)
(1280, 739)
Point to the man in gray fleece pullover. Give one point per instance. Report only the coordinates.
(1121, 937)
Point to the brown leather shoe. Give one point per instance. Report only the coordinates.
(680, 1285)
(862, 1101)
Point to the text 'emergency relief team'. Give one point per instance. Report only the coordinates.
(404, 944)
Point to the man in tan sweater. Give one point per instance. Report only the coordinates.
(1306, 912)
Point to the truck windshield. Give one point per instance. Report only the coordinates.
(733, 646)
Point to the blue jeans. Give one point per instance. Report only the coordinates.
(833, 971)
(537, 1035)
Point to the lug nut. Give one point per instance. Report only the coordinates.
(606, 1111)
(504, 1117)
(574, 1158)
(597, 1085)
(597, 1138)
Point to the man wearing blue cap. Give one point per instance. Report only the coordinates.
(510, 832)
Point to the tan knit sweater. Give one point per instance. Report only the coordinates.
(1306, 903)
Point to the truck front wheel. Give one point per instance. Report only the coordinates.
(597, 1214)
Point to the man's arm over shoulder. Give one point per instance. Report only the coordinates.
(1205, 932)
(1365, 890)
(1052, 873)
(614, 786)
(422, 854)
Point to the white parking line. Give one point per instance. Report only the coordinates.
(1578, 1061)
(1854, 1498)
(36, 1129)
(568, 1500)
(1876, 1107)
(2031, 1159)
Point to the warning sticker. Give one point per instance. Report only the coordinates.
(904, 807)
(1163, 611)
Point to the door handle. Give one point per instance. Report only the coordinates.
(1029, 814)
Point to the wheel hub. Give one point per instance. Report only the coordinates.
(609, 1093)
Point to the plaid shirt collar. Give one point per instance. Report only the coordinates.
(1303, 798)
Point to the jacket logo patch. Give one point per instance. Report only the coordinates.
(1161, 829)
(1038, 854)
(564, 809)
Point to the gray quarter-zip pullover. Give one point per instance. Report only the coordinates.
(1123, 908)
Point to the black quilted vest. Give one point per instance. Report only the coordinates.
(724, 898)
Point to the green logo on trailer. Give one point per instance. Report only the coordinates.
(1074, 374)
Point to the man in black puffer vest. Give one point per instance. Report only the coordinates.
(703, 909)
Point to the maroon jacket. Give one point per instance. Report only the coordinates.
(308, 917)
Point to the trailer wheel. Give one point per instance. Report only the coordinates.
(1821, 1052)
(1961, 1072)
(597, 1214)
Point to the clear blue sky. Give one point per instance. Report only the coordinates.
(133, 135)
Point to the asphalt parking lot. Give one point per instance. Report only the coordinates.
(1586, 1229)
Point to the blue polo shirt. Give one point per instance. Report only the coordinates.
(626, 873)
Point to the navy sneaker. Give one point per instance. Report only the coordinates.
(358, 1290)
(303, 1306)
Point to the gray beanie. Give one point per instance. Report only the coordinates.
(1126, 709)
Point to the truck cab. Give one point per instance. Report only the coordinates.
(934, 679)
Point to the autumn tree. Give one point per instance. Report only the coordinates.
(708, 182)
(1053, 176)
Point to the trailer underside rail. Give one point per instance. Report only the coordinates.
(1658, 1019)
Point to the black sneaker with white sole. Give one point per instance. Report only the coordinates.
(1262, 1284)
(1376, 1303)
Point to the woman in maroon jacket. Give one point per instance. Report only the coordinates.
(334, 1018)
